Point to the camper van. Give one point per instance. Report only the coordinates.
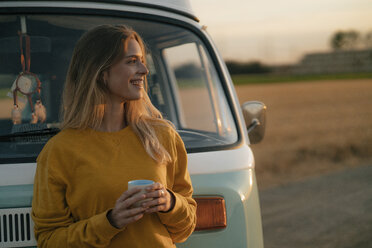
(188, 82)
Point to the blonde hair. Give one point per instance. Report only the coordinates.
(85, 91)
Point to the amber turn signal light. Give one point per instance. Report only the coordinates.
(210, 213)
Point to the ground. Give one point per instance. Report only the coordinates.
(312, 128)
(326, 211)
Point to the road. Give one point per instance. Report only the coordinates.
(328, 211)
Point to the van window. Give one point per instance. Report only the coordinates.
(202, 105)
(183, 82)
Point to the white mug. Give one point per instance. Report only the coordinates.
(142, 184)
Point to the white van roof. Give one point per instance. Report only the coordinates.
(182, 7)
(179, 6)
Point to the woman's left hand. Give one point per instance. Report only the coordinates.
(162, 201)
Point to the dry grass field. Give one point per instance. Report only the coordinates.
(312, 128)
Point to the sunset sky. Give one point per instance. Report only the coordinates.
(279, 31)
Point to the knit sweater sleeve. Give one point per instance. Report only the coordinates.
(54, 224)
(181, 220)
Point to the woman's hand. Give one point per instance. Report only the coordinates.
(123, 213)
(163, 200)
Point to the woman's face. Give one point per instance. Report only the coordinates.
(125, 79)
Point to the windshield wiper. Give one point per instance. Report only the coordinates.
(199, 135)
(28, 134)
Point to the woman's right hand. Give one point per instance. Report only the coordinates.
(122, 214)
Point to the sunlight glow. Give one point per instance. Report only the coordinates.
(279, 31)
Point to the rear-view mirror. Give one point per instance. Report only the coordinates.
(254, 113)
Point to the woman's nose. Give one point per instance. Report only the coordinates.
(143, 69)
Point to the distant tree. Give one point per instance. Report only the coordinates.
(345, 40)
(246, 67)
(337, 40)
(189, 71)
(368, 39)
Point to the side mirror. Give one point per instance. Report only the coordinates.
(254, 113)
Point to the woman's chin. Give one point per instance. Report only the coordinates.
(133, 98)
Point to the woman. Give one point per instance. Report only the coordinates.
(111, 134)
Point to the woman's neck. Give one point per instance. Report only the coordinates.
(113, 119)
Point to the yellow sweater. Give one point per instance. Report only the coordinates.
(81, 173)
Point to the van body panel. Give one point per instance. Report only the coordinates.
(220, 161)
(183, 5)
(17, 174)
(239, 189)
(16, 196)
(175, 6)
(109, 5)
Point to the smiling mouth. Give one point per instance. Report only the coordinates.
(138, 83)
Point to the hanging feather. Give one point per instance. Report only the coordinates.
(40, 111)
(33, 118)
(16, 115)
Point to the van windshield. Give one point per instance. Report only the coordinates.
(183, 82)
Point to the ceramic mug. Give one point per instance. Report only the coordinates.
(142, 184)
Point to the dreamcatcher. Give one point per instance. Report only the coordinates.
(28, 84)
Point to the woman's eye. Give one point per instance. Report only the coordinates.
(132, 61)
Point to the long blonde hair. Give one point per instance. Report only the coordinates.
(85, 92)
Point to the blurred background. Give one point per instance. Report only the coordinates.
(310, 62)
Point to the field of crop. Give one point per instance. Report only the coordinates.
(245, 79)
(313, 127)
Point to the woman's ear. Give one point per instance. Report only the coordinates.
(104, 77)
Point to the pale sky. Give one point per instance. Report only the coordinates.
(279, 31)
